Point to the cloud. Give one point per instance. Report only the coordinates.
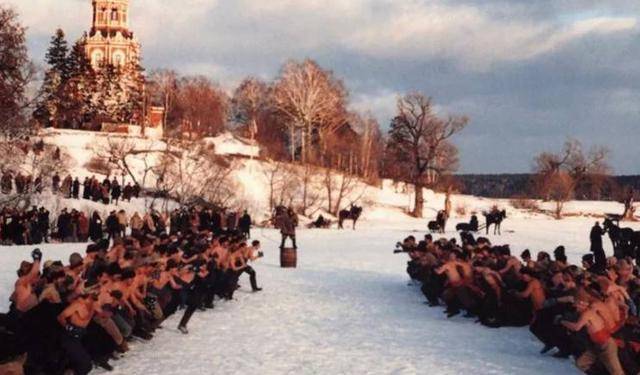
(528, 73)
(381, 103)
(470, 36)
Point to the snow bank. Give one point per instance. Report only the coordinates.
(229, 144)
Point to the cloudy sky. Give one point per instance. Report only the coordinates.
(528, 73)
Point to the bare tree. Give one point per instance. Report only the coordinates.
(195, 174)
(250, 100)
(628, 201)
(419, 142)
(163, 87)
(561, 188)
(588, 171)
(312, 101)
(339, 187)
(283, 184)
(201, 105)
(310, 194)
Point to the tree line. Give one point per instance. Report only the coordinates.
(303, 115)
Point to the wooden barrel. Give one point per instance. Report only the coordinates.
(288, 257)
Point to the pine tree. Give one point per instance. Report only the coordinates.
(109, 96)
(50, 108)
(57, 55)
(80, 88)
(133, 85)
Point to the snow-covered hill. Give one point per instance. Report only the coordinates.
(347, 308)
(256, 182)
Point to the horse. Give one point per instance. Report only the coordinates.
(471, 226)
(321, 222)
(494, 218)
(351, 214)
(625, 241)
(439, 223)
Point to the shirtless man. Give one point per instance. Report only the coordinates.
(454, 280)
(450, 270)
(197, 272)
(602, 347)
(24, 296)
(250, 254)
(513, 265)
(534, 290)
(75, 320)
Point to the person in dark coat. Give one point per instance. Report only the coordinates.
(43, 223)
(55, 183)
(596, 248)
(86, 188)
(35, 235)
(75, 189)
(136, 190)
(95, 227)
(286, 222)
(107, 183)
(232, 222)
(113, 226)
(245, 225)
(116, 191)
(64, 226)
(127, 192)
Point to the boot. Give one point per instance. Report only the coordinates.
(183, 330)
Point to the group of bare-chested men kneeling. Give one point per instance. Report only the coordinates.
(584, 312)
(81, 315)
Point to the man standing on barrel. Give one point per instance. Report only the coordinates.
(286, 221)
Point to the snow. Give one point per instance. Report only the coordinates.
(347, 308)
(228, 144)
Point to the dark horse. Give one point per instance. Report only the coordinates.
(352, 213)
(471, 226)
(625, 241)
(495, 217)
(438, 225)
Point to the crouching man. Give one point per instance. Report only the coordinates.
(602, 347)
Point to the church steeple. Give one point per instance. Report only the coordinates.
(110, 14)
(110, 40)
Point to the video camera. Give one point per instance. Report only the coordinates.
(401, 248)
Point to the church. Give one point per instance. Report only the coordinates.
(111, 41)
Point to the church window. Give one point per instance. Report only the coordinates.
(114, 14)
(97, 58)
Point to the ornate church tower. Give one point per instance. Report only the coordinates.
(110, 40)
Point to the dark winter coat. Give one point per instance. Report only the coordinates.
(245, 222)
(95, 227)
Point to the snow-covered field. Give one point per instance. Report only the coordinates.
(347, 308)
